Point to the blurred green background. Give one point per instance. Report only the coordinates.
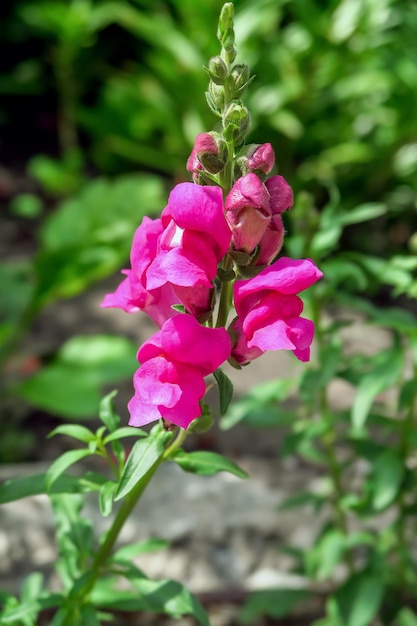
(100, 104)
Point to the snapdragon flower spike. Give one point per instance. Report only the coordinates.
(174, 362)
(132, 294)
(195, 239)
(248, 212)
(269, 311)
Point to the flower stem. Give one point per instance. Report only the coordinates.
(81, 592)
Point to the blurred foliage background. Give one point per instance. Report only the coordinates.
(100, 104)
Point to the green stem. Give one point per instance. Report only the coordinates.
(77, 599)
(329, 439)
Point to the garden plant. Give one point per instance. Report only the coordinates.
(211, 274)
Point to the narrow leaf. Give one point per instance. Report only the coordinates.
(225, 389)
(144, 455)
(207, 463)
(130, 551)
(387, 475)
(18, 488)
(74, 430)
(106, 496)
(126, 431)
(107, 412)
(63, 462)
(385, 374)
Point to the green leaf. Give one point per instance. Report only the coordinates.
(71, 384)
(358, 600)
(63, 462)
(274, 603)
(32, 587)
(325, 554)
(145, 454)
(363, 213)
(25, 614)
(106, 497)
(225, 389)
(260, 406)
(125, 431)
(207, 463)
(107, 412)
(163, 596)
(387, 369)
(130, 551)
(18, 488)
(88, 237)
(387, 475)
(74, 430)
(406, 617)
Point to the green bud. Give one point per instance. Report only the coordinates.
(217, 70)
(237, 115)
(217, 94)
(228, 40)
(239, 79)
(225, 20)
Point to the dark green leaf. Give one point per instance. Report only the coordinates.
(225, 389)
(207, 463)
(145, 454)
(359, 599)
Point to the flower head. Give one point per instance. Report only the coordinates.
(170, 381)
(269, 310)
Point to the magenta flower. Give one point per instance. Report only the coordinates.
(271, 242)
(170, 381)
(269, 310)
(195, 238)
(248, 212)
(132, 295)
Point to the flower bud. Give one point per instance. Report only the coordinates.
(217, 94)
(238, 117)
(239, 79)
(211, 151)
(260, 157)
(281, 194)
(248, 212)
(217, 70)
(225, 20)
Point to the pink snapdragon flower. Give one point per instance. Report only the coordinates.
(174, 362)
(132, 294)
(269, 311)
(195, 238)
(248, 212)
